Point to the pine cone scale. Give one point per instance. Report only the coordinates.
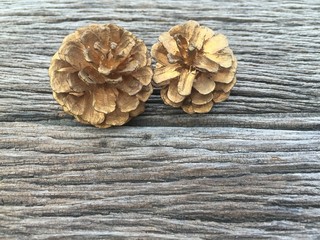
(204, 108)
(226, 87)
(104, 100)
(91, 115)
(76, 85)
(202, 63)
(173, 94)
(88, 38)
(60, 86)
(220, 96)
(75, 105)
(140, 109)
(116, 118)
(200, 99)
(223, 59)
(169, 44)
(204, 84)
(124, 47)
(226, 75)
(159, 53)
(145, 93)
(186, 82)
(127, 103)
(130, 86)
(188, 29)
(195, 67)
(102, 75)
(164, 96)
(200, 36)
(143, 75)
(71, 52)
(215, 44)
(165, 73)
(92, 55)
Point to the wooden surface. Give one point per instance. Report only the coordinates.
(249, 169)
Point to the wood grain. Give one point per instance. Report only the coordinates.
(250, 169)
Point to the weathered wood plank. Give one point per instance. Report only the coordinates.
(249, 169)
(276, 46)
(136, 182)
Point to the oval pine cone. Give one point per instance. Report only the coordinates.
(195, 67)
(101, 75)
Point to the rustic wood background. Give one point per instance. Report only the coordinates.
(249, 169)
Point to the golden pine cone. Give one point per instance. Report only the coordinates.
(195, 67)
(101, 75)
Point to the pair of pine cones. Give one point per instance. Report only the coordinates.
(102, 74)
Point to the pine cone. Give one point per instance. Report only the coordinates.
(101, 74)
(195, 67)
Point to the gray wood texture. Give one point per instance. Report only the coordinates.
(250, 169)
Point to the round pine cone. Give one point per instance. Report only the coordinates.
(101, 75)
(195, 67)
